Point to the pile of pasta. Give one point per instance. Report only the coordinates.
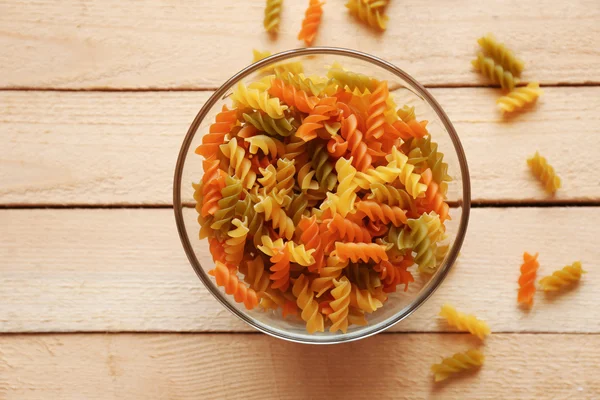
(320, 196)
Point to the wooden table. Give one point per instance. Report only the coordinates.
(97, 300)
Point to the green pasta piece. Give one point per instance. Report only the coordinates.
(245, 209)
(435, 159)
(351, 80)
(363, 276)
(406, 113)
(297, 207)
(231, 195)
(324, 166)
(422, 245)
(271, 126)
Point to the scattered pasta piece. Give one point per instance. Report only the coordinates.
(519, 97)
(272, 15)
(367, 14)
(544, 172)
(498, 75)
(457, 363)
(562, 278)
(465, 322)
(311, 22)
(527, 279)
(501, 54)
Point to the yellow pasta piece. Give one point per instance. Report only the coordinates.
(465, 322)
(562, 278)
(519, 98)
(457, 363)
(544, 172)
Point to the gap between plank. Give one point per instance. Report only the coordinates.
(212, 89)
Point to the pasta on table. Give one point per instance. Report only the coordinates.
(320, 197)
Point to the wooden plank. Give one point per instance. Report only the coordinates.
(389, 366)
(116, 44)
(124, 270)
(120, 148)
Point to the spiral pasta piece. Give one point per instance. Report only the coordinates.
(292, 96)
(392, 196)
(258, 100)
(272, 16)
(269, 146)
(360, 251)
(273, 212)
(285, 176)
(311, 22)
(363, 300)
(309, 232)
(527, 279)
(495, 72)
(241, 293)
(562, 278)
(465, 322)
(347, 229)
(395, 273)
(298, 253)
(326, 175)
(371, 16)
(211, 193)
(239, 165)
(297, 207)
(421, 244)
(343, 201)
(280, 270)
(376, 119)
(409, 179)
(255, 275)
(361, 158)
(400, 239)
(501, 54)
(234, 246)
(340, 305)
(458, 362)
(300, 82)
(230, 196)
(434, 159)
(519, 97)
(364, 277)
(305, 299)
(382, 174)
(316, 119)
(332, 270)
(544, 172)
(271, 126)
(224, 121)
(434, 199)
(382, 212)
(351, 80)
(258, 55)
(406, 113)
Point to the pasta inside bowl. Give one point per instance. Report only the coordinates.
(333, 191)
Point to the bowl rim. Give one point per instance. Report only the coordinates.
(431, 286)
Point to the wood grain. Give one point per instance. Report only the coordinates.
(121, 148)
(186, 44)
(392, 366)
(125, 270)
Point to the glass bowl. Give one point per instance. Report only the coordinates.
(405, 90)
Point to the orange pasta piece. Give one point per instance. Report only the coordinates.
(311, 22)
(527, 279)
